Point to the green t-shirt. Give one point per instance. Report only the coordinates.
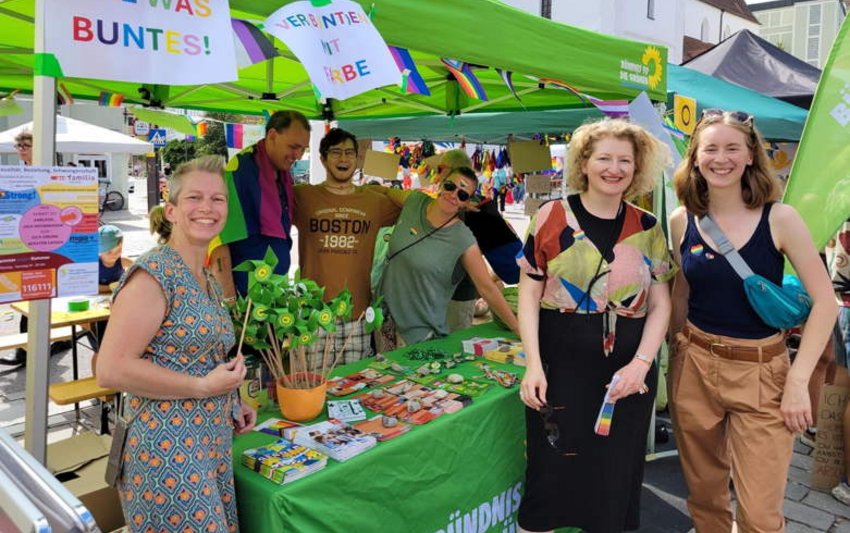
(419, 282)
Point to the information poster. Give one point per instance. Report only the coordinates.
(48, 232)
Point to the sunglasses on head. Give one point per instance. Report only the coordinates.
(450, 186)
(737, 116)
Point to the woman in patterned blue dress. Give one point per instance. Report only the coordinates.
(166, 344)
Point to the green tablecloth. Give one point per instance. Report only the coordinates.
(461, 472)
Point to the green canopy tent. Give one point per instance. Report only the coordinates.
(602, 66)
(776, 119)
(504, 38)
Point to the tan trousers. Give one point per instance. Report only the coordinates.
(727, 421)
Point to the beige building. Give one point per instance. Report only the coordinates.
(804, 28)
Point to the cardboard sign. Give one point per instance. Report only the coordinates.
(529, 156)
(828, 466)
(338, 45)
(169, 43)
(538, 184)
(381, 165)
(363, 146)
(532, 205)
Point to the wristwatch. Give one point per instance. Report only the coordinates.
(644, 359)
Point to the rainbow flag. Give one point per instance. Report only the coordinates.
(465, 78)
(201, 129)
(108, 99)
(63, 95)
(412, 81)
(233, 134)
(251, 44)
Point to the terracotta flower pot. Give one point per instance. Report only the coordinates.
(301, 405)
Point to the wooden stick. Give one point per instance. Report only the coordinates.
(244, 325)
(326, 353)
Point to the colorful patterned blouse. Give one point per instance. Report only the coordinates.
(558, 253)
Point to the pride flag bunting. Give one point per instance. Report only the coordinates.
(251, 44)
(63, 95)
(611, 108)
(233, 134)
(466, 78)
(507, 77)
(412, 81)
(108, 99)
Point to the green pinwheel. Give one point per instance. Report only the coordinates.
(374, 316)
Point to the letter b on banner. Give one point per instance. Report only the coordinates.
(685, 113)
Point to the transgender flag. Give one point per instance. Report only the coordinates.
(250, 44)
(233, 134)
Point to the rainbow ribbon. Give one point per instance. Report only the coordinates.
(606, 412)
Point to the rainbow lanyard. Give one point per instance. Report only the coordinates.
(606, 412)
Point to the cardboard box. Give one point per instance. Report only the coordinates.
(513, 355)
(80, 464)
(828, 464)
(478, 345)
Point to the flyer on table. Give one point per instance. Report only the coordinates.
(48, 232)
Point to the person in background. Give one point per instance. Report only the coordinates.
(166, 347)
(262, 211)
(735, 399)
(337, 226)
(110, 263)
(110, 267)
(429, 251)
(594, 304)
(838, 261)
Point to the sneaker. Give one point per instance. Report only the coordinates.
(19, 358)
(841, 492)
(809, 437)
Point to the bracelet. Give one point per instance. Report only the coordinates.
(643, 359)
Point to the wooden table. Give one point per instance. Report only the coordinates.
(60, 316)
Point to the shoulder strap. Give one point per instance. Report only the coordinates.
(725, 247)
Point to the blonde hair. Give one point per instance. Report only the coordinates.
(651, 155)
(159, 224)
(758, 184)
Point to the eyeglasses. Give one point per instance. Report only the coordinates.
(337, 153)
(450, 186)
(737, 116)
(23, 146)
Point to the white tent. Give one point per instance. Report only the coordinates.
(78, 137)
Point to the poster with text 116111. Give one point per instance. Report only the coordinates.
(48, 232)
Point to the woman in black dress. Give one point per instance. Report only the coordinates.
(593, 303)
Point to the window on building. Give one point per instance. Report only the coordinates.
(650, 9)
(814, 33)
(703, 31)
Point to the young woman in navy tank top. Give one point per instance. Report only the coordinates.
(736, 400)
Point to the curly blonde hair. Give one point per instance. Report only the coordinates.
(759, 184)
(651, 155)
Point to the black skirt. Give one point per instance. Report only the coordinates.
(589, 481)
